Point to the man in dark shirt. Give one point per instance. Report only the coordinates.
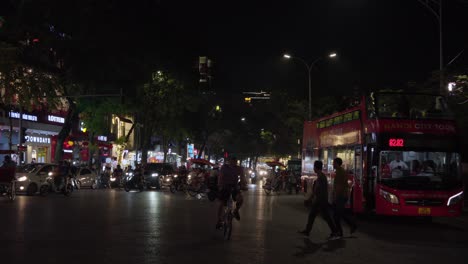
(320, 203)
(340, 197)
(228, 180)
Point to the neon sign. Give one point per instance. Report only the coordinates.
(56, 119)
(396, 142)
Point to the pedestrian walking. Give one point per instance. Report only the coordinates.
(340, 197)
(320, 203)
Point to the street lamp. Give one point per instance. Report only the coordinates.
(309, 70)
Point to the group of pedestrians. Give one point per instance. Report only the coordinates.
(334, 213)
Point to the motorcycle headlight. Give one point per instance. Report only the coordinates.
(454, 199)
(168, 180)
(154, 175)
(190, 176)
(175, 175)
(389, 197)
(112, 179)
(22, 178)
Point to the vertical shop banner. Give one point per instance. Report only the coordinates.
(190, 150)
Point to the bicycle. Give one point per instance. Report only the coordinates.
(227, 218)
(8, 182)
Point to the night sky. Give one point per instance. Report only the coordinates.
(384, 43)
(381, 44)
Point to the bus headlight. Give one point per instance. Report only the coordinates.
(389, 197)
(454, 199)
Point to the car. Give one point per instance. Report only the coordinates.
(30, 177)
(86, 178)
(158, 175)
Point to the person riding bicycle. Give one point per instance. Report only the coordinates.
(228, 180)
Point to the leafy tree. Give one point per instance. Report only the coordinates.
(163, 102)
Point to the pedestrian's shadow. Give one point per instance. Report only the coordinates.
(309, 248)
(332, 245)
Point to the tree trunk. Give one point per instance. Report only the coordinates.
(164, 148)
(10, 135)
(72, 115)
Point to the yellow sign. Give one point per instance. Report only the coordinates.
(424, 211)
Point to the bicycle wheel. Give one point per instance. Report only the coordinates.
(227, 226)
(12, 192)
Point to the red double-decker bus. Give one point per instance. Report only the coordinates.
(401, 153)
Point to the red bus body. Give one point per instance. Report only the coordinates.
(367, 138)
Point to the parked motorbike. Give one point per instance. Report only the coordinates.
(53, 185)
(105, 181)
(134, 181)
(272, 186)
(178, 184)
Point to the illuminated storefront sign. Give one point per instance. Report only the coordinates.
(56, 119)
(36, 139)
(25, 116)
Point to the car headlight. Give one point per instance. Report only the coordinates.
(389, 197)
(22, 178)
(454, 199)
(154, 175)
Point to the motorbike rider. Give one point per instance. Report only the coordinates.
(8, 162)
(139, 173)
(117, 174)
(61, 174)
(292, 182)
(228, 185)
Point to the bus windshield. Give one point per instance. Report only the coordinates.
(411, 106)
(420, 170)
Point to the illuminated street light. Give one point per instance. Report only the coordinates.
(309, 69)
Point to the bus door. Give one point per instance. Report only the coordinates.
(369, 181)
(357, 196)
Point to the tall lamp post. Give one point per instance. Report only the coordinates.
(309, 70)
(435, 7)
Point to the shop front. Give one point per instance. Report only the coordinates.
(38, 148)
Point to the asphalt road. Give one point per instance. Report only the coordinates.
(111, 226)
